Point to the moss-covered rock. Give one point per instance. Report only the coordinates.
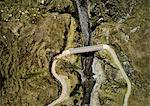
(61, 6)
(130, 40)
(26, 50)
(33, 32)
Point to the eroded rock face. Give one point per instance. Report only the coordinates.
(32, 33)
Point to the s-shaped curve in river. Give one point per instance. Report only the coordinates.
(70, 51)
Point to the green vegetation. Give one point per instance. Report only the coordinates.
(32, 32)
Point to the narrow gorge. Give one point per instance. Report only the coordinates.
(33, 33)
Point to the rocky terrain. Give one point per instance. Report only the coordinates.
(32, 33)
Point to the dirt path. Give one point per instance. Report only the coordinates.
(70, 51)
